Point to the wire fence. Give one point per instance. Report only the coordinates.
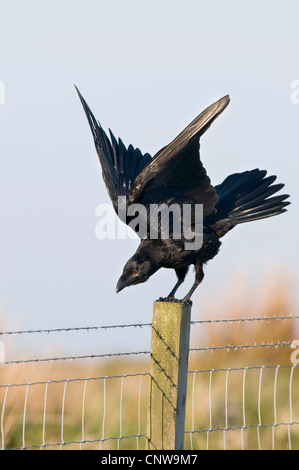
(241, 395)
(246, 424)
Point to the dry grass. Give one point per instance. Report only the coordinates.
(127, 417)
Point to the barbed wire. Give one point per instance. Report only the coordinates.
(143, 325)
(72, 358)
(227, 347)
(246, 319)
(244, 346)
(74, 329)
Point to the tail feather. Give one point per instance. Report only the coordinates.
(259, 190)
(253, 202)
(272, 203)
(259, 215)
(244, 197)
(234, 182)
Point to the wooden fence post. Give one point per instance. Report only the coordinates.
(168, 376)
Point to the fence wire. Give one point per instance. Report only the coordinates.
(62, 425)
(237, 406)
(244, 425)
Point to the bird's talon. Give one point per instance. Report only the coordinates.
(173, 299)
(168, 299)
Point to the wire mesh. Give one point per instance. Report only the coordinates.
(255, 425)
(240, 395)
(59, 409)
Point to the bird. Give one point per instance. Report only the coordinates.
(176, 175)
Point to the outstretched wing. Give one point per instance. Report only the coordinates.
(176, 174)
(120, 165)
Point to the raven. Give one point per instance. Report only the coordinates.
(176, 175)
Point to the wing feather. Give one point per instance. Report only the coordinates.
(120, 165)
(176, 172)
(174, 175)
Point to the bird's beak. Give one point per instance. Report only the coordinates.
(124, 282)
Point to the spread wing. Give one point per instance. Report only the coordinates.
(120, 165)
(176, 174)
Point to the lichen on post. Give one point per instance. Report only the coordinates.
(168, 375)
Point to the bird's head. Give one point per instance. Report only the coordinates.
(135, 271)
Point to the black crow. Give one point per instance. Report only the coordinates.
(176, 175)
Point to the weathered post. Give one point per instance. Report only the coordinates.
(168, 376)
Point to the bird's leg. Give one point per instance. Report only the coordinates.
(171, 295)
(199, 275)
(181, 274)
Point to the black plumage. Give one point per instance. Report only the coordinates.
(175, 175)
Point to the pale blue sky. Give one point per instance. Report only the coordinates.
(146, 69)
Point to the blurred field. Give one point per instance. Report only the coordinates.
(233, 404)
(111, 404)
